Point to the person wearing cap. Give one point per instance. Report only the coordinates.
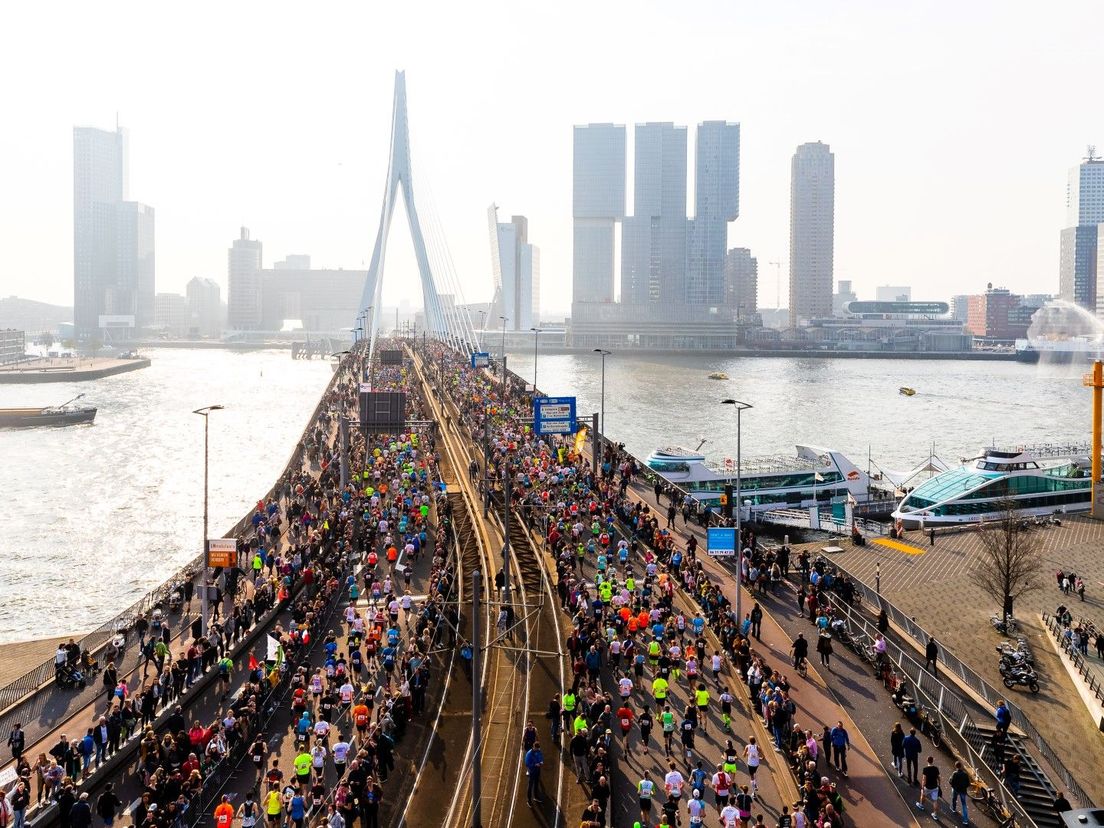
(696, 808)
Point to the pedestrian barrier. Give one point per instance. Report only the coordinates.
(1080, 662)
(952, 664)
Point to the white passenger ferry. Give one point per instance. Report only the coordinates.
(814, 475)
(1038, 480)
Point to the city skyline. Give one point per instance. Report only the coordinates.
(311, 183)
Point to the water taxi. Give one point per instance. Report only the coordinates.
(1037, 480)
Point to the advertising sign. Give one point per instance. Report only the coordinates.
(721, 541)
(554, 415)
(480, 359)
(222, 552)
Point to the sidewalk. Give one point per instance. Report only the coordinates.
(871, 797)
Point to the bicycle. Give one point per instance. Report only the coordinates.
(985, 796)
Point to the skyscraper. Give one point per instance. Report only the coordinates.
(516, 266)
(653, 239)
(1077, 261)
(244, 284)
(717, 202)
(204, 307)
(598, 204)
(113, 241)
(812, 230)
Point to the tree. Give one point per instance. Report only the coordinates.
(1010, 562)
(46, 340)
(94, 346)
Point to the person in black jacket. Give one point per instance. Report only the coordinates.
(65, 800)
(81, 814)
(110, 680)
(108, 804)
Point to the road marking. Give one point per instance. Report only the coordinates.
(907, 548)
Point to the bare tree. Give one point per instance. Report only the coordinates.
(1010, 562)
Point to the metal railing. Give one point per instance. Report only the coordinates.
(1089, 673)
(952, 664)
(958, 728)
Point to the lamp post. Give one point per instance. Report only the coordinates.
(602, 417)
(482, 320)
(740, 407)
(536, 339)
(204, 412)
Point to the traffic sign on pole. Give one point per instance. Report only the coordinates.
(720, 542)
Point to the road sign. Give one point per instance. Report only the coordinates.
(383, 412)
(554, 415)
(222, 552)
(366, 388)
(721, 541)
(480, 359)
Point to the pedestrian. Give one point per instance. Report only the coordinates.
(912, 747)
(840, 743)
(960, 784)
(756, 621)
(897, 748)
(1003, 717)
(929, 788)
(931, 656)
(17, 739)
(107, 805)
(824, 648)
(534, 761)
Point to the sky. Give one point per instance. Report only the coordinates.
(953, 126)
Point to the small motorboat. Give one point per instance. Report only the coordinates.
(906, 391)
(718, 375)
(54, 415)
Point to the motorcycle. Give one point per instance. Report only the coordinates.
(1022, 678)
(1007, 669)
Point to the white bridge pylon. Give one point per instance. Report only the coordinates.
(444, 319)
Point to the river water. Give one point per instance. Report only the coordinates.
(97, 515)
(852, 405)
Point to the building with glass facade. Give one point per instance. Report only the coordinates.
(243, 294)
(516, 266)
(812, 232)
(598, 203)
(1078, 250)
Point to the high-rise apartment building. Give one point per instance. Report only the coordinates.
(716, 203)
(1077, 260)
(741, 283)
(812, 231)
(204, 307)
(113, 241)
(244, 309)
(653, 239)
(598, 203)
(516, 266)
(170, 314)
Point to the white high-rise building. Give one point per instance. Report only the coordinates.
(812, 232)
(204, 307)
(243, 294)
(598, 204)
(1077, 260)
(516, 267)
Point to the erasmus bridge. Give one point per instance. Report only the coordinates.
(441, 292)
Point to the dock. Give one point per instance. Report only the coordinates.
(68, 369)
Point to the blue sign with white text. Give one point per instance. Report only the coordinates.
(721, 541)
(554, 415)
(480, 359)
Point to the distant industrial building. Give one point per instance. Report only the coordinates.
(812, 232)
(205, 309)
(515, 264)
(170, 311)
(243, 293)
(113, 241)
(1078, 251)
(13, 345)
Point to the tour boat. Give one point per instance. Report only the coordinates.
(814, 475)
(906, 391)
(1037, 480)
(55, 415)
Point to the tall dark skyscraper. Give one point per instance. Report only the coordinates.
(113, 241)
(716, 203)
(598, 204)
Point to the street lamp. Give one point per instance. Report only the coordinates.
(204, 412)
(602, 418)
(740, 407)
(482, 319)
(536, 339)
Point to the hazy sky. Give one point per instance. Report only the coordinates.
(953, 125)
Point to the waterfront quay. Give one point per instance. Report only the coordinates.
(68, 369)
(457, 555)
